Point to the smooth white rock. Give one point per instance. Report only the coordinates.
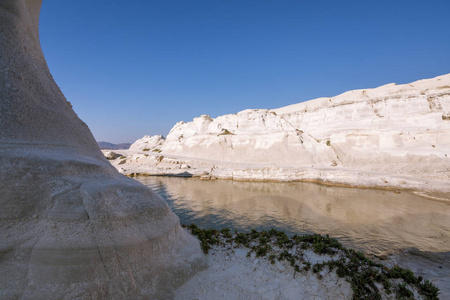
(148, 143)
(393, 136)
(71, 226)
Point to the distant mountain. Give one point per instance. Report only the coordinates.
(111, 146)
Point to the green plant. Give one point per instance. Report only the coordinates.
(272, 258)
(403, 292)
(429, 290)
(307, 266)
(241, 238)
(364, 275)
(405, 274)
(262, 250)
(226, 232)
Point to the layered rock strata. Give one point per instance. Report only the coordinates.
(391, 136)
(71, 226)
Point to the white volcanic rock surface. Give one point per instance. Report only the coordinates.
(148, 143)
(395, 136)
(71, 226)
(233, 275)
(389, 124)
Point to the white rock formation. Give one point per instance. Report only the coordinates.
(70, 225)
(391, 136)
(148, 143)
(111, 154)
(389, 124)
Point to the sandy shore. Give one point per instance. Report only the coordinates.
(141, 163)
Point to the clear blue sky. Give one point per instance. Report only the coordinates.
(137, 67)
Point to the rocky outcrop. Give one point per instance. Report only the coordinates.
(390, 124)
(111, 154)
(70, 225)
(391, 136)
(148, 143)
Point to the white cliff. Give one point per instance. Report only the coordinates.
(71, 226)
(395, 136)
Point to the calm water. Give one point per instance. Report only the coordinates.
(374, 221)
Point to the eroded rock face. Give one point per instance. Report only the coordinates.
(148, 143)
(392, 130)
(70, 224)
(111, 155)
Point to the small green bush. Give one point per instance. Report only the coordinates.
(429, 290)
(365, 276)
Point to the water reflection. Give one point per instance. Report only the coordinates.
(371, 220)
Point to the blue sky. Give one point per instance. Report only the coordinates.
(137, 67)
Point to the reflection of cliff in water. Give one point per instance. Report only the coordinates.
(372, 220)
